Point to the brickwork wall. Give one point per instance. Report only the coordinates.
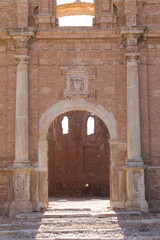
(8, 13)
(47, 80)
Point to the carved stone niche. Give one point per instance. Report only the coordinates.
(77, 86)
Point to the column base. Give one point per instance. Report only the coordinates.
(41, 206)
(117, 205)
(137, 205)
(136, 162)
(20, 207)
(135, 186)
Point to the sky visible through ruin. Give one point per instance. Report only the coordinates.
(83, 20)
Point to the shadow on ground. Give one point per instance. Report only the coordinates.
(81, 218)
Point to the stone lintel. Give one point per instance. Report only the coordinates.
(77, 33)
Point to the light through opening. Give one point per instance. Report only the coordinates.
(73, 1)
(65, 125)
(90, 125)
(81, 20)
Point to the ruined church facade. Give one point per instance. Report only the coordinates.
(108, 72)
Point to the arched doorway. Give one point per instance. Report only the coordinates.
(117, 196)
(78, 156)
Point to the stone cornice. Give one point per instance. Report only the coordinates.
(133, 30)
(18, 33)
(21, 36)
(78, 33)
(71, 33)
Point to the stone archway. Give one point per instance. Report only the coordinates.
(78, 156)
(47, 118)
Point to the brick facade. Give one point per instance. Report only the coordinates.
(99, 52)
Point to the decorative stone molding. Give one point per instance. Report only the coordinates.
(136, 189)
(131, 34)
(21, 187)
(77, 85)
(49, 116)
(22, 36)
(22, 60)
(132, 57)
(46, 19)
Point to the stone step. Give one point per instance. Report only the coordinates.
(80, 224)
(75, 235)
(68, 209)
(75, 214)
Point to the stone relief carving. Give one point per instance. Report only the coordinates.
(77, 85)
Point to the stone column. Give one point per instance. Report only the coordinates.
(133, 114)
(42, 171)
(46, 18)
(117, 193)
(134, 164)
(22, 13)
(104, 14)
(135, 185)
(21, 133)
(22, 169)
(130, 10)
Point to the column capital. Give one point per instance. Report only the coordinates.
(131, 34)
(22, 36)
(132, 57)
(22, 59)
(130, 31)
